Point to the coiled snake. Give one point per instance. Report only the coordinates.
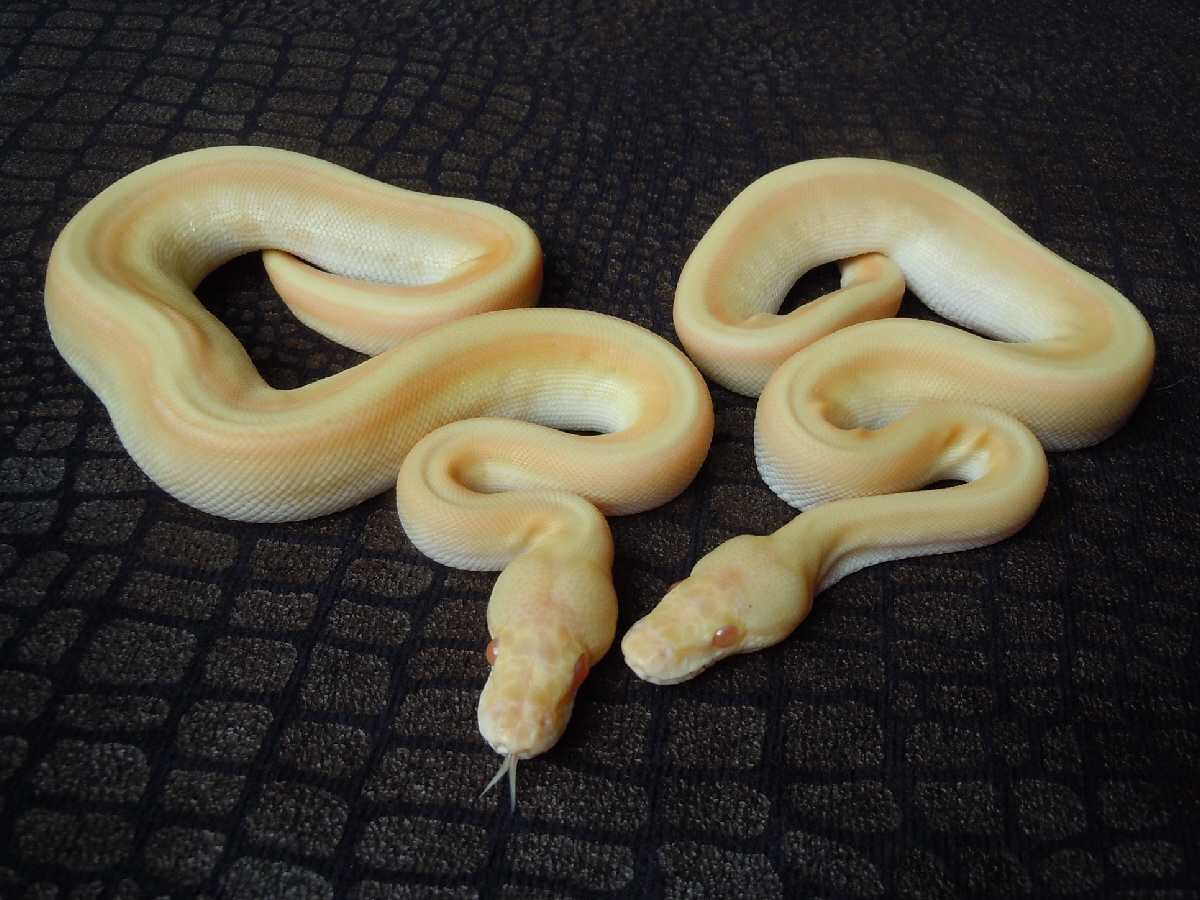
(857, 413)
(854, 415)
(470, 408)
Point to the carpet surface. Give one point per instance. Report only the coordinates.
(191, 707)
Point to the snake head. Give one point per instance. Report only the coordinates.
(552, 615)
(740, 597)
(529, 696)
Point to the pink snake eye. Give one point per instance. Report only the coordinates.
(581, 671)
(493, 648)
(726, 636)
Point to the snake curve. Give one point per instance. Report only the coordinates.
(462, 416)
(857, 412)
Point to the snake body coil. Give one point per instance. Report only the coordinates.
(485, 492)
(857, 413)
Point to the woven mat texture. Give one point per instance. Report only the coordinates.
(191, 707)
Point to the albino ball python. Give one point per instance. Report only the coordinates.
(476, 489)
(852, 422)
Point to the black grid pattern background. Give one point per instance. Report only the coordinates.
(191, 707)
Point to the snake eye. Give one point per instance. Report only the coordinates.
(725, 636)
(493, 648)
(581, 671)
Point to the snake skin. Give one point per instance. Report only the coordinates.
(192, 707)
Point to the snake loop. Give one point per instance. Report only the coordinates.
(857, 413)
(475, 489)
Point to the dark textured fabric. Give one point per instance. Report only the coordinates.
(193, 707)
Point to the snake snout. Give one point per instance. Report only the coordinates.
(518, 728)
(658, 650)
(647, 654)
(527, 701)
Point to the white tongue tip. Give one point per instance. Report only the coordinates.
(509, 767)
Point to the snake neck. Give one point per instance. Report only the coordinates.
(753, 591)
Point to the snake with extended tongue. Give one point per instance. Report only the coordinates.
(857, 413)
(470, 408)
